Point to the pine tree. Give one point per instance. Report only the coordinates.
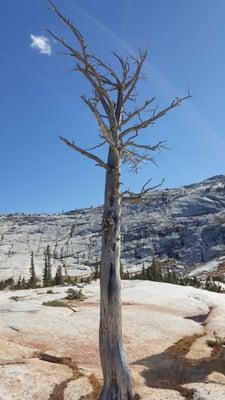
(121, 271)
(208, 283)
(32, 283)
(174, 277)
(96, 273)
(154, 273)
(47, 274)
(23, 284)
(19, 283)
(128, 276)
(143, 272)
(149, 275)
(58, 280)
(196, 282)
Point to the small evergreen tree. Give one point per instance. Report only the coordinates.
(208, 283)
(121, 271)
(96, 273)
(32, 283)
(128, 276)
(154, 271)
(23, 284)
(143, 272)
(58, 280)
(212, 286)
(18, 285)
(47, 274)
(174, 277)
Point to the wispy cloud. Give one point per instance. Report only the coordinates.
(41, 43)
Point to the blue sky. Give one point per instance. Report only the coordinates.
(40, 99)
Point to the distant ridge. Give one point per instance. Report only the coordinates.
(186, 224)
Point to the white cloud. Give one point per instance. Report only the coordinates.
(42, 44)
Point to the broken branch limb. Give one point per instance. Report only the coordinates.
(97, 146)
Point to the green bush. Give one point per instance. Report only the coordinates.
(211, 343)
(54, 303)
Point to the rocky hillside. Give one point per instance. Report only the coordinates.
(186, 224)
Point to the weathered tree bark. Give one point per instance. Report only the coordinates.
(117, 378)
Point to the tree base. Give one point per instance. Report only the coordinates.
(116, 391)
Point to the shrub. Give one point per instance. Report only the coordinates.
(54, 303)
(73, 294)
(7, 283)
(15, 298)
(211, 343)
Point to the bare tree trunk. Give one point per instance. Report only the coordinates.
(119, 126)
(117, 379)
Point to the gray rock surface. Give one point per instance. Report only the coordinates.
(43, 349)
(186, 224)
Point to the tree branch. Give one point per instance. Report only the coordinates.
(131, 84)
(88, 70)
(136, 112)
(86, 153)
(154, 117)
(103, 127)
(135, 159)
(156, 147)
(118, 125)
(97, 146)
(108, 69)
(128, 195)
(125, 67)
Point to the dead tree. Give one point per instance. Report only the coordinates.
(120, 121)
